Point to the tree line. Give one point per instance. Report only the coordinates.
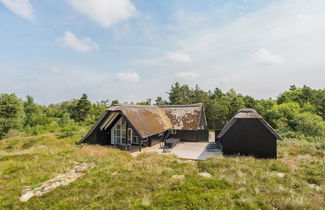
(298, 112)
(295, 113)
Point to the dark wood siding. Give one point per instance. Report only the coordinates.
(153, 140)
(249, 137)
(101, 137)
(191, 135)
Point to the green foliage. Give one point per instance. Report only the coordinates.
(152, 181)
(234, 101)
(98, 109)
(11, 113)
(217, 113)
(68, 130)
(148, 180)
(34, 113)
(305, 95)
(219, 106)
(181, 94)
(65, 120)
(280, 113)
(283, 113)
(296, 113)
(82, 109)
(29, 118)
(160, 101)
(263, 106)
(143, 103)
(310, 124)
(53, 126)
(114, 102)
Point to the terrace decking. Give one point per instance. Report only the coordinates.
(185, 150)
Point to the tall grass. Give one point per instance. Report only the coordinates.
(296, 180)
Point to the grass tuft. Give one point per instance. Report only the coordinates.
(296, 180)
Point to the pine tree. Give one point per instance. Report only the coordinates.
(82, 109)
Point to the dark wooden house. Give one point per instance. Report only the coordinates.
(247, 133)
(133, 124)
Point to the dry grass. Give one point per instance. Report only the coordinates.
(296, 180)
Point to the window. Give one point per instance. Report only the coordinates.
(119, 131)
(132, 137)
(135, 139)
(118, 134)
(173, 131)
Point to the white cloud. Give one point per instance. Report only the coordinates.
(128, 76)
(287, 37)
(22, 8)
(105, 12)
(262, 56)
(81, 45)
(187, 75)
(167, 59)
(220, 50)
(178, 57)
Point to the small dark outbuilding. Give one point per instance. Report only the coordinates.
(247, 133)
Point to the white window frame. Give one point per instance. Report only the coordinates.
(117, 132)
(132, 137)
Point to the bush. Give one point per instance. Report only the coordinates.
(310, 124)
(11, 113)
(36, 130)
(285, 112)
(53, 126)
(69, 130)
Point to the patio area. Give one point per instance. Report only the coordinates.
(184, 150)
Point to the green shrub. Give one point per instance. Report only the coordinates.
(69, 130)
(310, 124)
(11, 113)
(53, 126)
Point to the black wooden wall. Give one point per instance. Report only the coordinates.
(249, 137)
(101, 137)
(191, 135)
(153, 140)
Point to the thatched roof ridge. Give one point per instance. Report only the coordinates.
(247, 113)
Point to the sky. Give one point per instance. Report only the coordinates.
(133, 50)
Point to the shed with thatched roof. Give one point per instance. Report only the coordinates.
(247, 133)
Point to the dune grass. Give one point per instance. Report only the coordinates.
(296, 180)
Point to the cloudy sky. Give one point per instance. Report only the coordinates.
(132, 50)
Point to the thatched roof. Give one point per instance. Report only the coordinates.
(146, 120)
(151, 120)
(185, 117)
(247, 114)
